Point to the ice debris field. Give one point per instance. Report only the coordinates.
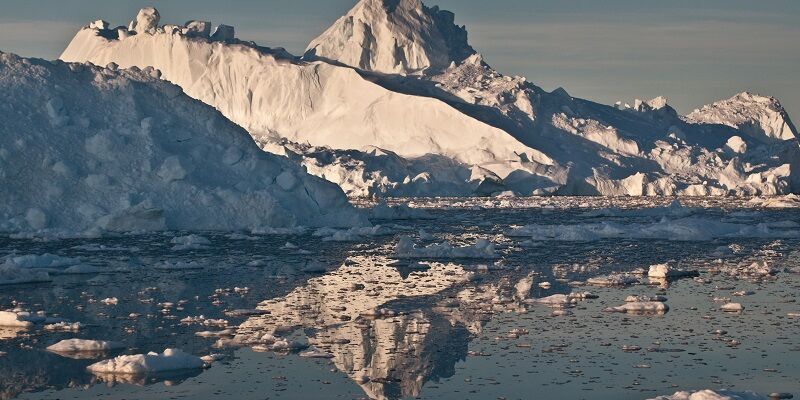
(451, 299)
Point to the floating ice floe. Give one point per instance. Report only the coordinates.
(787, 201)
(756, 270)
(215, 334)
(732, 307)
(613, 280)
(641, 307)
(202, 320)
(13, 319)
(11, 274)
(636, 299)
(64, 327)
(483, 249)
(44, 261)
(150, 363)
(315, 267)
(39, 268)
(315, 353)
(24, 319)
(110, 301)
(83, 345)
(685, 229)
(563, 300)
(382, 211)
(352, 234)
(179, 266)
(664, 271)
(714, 395)
(190, 242)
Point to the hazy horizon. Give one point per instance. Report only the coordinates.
(692, 52)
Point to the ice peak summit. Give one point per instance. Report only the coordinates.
(395, 37)
(760, 117)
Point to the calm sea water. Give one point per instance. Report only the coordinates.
(393, 328)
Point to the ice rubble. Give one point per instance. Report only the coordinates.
(641, 307)
(713, 395)
(150, 363)
(88, 149)
(482, 249)
(474, 131)
(17, 318)
(190, 242)
(682, 229)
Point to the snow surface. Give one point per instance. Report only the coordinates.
(474, 130)
(150, 363)
(88, 149)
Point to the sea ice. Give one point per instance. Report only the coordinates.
(150, 363)
(713, 395)
(650, 307)
(483, 249)
(82, 345)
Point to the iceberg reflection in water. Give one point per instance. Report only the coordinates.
(327, 319)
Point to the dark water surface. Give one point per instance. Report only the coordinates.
(449, 329)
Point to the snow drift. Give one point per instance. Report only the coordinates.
(397, 77)
(84, 148)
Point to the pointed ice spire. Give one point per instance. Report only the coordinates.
(395, 37)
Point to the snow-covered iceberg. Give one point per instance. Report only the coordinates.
(86, 148)
(150, 363)
(397, 77)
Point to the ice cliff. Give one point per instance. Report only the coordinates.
(91, 149)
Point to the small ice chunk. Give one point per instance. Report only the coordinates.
(14, 320)
(111, 301)
(634, 299)
(141, 364)
(190, 242)
(315, 353)
(64, 327)
(613, 280)
(640, 307)
(664, 271)
(732, 307)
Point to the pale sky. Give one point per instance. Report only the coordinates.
(692, 51)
